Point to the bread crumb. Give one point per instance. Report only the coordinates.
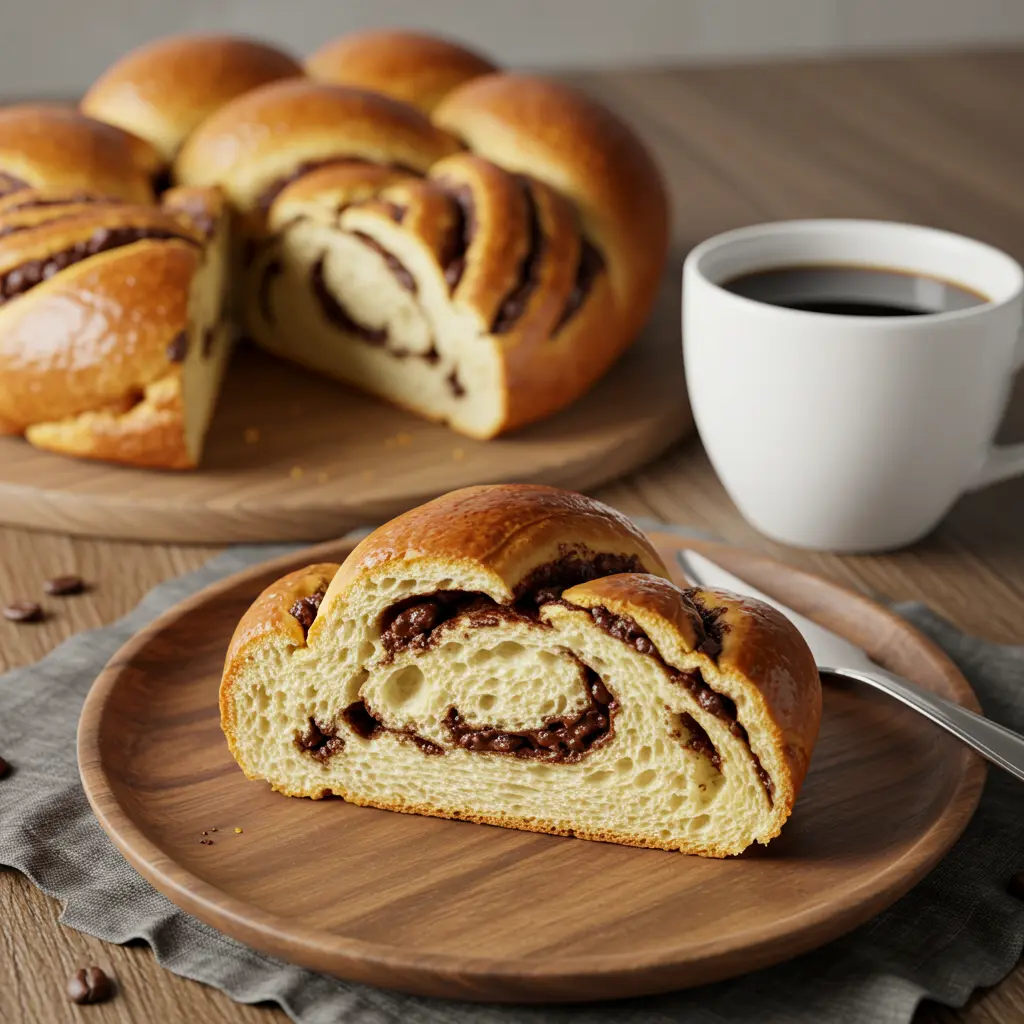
(296, 472)
(458, 454)
(251, 435)
(322, 478)
(238, 831)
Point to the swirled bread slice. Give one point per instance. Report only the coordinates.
(515, 656)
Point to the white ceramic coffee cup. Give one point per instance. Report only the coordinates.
(851, 433)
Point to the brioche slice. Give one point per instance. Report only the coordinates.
(515, 656)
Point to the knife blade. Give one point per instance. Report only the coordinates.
(827, 647)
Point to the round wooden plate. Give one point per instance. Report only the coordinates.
(454, 909)
(294, 456)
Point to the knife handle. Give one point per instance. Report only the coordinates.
(995, 743)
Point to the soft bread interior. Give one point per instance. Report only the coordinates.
(211, 339)
(351, 710)
(327, 298)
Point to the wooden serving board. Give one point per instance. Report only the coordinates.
(293, 456)
(459, 910)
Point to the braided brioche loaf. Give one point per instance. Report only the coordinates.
(515, 655)
(475, 246)
(482, 265)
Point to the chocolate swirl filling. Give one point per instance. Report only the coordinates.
(515, 302)
(561, 740)
(460, 234)
(590, 266)
(626, 629)
(27, 275)
(394, 264)
(335, 312)
(271, 191)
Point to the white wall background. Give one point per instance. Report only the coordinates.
(56, 47)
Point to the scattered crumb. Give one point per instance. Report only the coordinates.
(204, 832)
(367, 474)
(238, 831)
(213, 830)
(403, 439)
(251, 435)
(322, 478)
(206, 842)
(458, 454)
(296, 472)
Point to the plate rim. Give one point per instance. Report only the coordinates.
(427, 973)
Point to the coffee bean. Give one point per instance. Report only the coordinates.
(62, 586)
(23, 611)
(89, 985)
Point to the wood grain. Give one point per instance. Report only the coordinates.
(885, 798)
(724, 138)
(294, 456)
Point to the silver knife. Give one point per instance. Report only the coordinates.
(836, 655)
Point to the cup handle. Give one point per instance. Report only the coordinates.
(1003, 461)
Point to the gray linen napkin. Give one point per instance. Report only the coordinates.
(959, 929)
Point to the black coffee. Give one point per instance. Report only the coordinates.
(853, 290)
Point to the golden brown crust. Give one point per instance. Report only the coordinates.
(269, 614)
(414, 68)
(59, 151)
(267, 134)
(149, 434)
(95, 335)
(268, 617)
(583, 151)
(164, 89)
(506, 529)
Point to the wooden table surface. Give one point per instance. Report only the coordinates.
(934, 139)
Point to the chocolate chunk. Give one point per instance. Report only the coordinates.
(177, 347)
(162, 180)
(23, 611)
(454, 384)
(320, 741)
(305, 609)
(63, 586)
(416, 619)
(89, 985)
(362, 721)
